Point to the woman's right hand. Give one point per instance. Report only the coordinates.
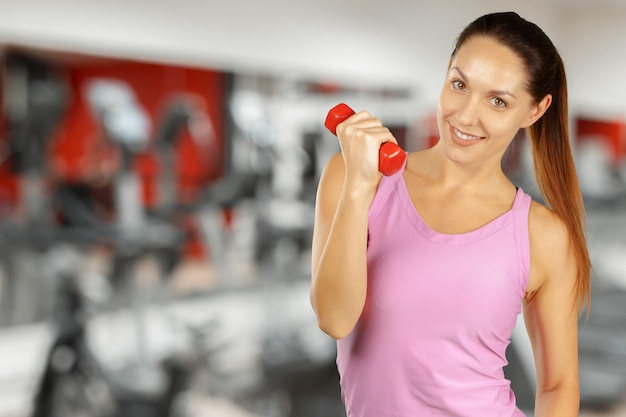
(360, 137)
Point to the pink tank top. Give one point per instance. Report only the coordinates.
(439, 314)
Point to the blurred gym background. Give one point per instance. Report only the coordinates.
(158, 168)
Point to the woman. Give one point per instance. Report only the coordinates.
(421, 275)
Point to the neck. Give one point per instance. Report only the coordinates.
(453, 175)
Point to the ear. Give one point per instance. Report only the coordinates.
(538, 110)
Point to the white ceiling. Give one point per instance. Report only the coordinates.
(402, 42)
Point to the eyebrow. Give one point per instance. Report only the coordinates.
(494, 92)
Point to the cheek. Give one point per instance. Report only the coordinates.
(442, 114)
(503, 132)
(447, 106)
(506, 125)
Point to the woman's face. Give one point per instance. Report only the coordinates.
(484, 102)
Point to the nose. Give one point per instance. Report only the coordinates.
(468, 112)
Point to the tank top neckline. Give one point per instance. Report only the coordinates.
(462, 238)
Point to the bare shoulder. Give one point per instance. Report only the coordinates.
(550, 247)
(329, 187)
(334, 166)
(332, 177)
(545, 226)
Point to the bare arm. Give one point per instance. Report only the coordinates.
(345, 193)
(551, 315)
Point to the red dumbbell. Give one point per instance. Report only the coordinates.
(390, 157)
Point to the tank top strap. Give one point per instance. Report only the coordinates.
(386, 185)
(521, 210)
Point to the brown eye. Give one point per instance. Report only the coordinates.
(458, 85)
(498, 102)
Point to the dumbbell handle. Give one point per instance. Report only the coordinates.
(390, 156)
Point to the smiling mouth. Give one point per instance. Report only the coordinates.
(464, 136)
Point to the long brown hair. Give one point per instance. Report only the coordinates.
(555, 171)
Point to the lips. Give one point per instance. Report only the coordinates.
(462, 138)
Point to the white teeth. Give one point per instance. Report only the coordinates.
(463, 136)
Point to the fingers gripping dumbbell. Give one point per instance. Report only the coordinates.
(390, 157)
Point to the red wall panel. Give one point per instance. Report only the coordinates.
(611, 132)
(80, 151)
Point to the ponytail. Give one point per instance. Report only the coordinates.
(555, 173)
